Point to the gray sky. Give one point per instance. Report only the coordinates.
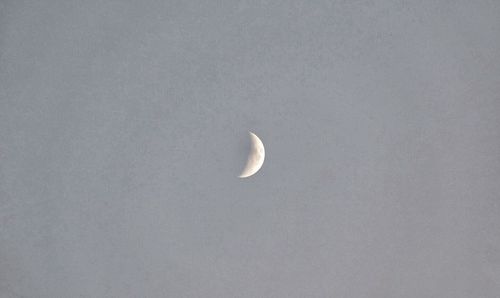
(123, 127)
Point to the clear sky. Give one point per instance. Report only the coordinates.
(123, 128)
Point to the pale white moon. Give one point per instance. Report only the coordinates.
(255, 158)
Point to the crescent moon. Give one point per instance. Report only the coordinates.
(255, 158)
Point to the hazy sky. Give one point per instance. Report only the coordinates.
(123, 128)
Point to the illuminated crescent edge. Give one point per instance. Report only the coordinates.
(255, 157)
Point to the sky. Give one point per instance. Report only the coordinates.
(124, 126)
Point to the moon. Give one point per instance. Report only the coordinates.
(255, 157)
